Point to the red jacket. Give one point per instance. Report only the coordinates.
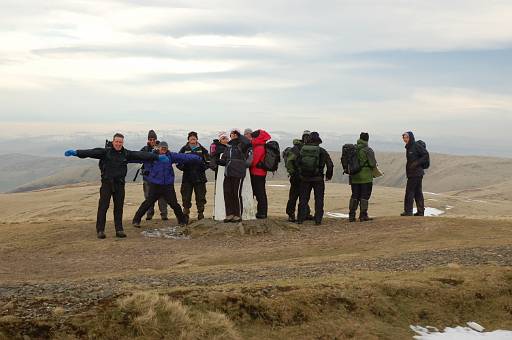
(258, 151)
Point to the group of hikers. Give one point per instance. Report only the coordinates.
(253, 154)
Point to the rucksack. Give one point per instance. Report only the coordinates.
(272, 157)
(350, 159)
(101, 163)
(426, 164)
(309, 161)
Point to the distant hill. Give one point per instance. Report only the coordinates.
(448, 173)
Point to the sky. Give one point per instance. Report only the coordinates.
(437, 67)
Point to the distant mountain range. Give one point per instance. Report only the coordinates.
(19, 173)
(55, 145)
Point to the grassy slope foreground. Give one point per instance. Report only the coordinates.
(257, 280)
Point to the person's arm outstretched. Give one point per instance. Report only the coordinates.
(96, 153)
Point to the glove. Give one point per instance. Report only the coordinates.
(69, 153)
(163, 158)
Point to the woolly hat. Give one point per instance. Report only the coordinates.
(364, 136)
(152, 134)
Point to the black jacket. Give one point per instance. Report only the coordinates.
(325, 161)
(113, 164)
(416, 155)
(237, 157)
(146, 166)
(216, 150)
(192, 172)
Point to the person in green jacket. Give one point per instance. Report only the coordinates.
(361, 183)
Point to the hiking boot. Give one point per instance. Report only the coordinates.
(291, 218)
(363, 214)
(120, 234)
(228, 219)
(318, 223)
(419, 214)
(149, 218)
(365, 218)
(261, 217)
(101, 235)
(406, 213)
(185, 220)
(352, 205)
(236, 219)
(165, 218)
(200, 216)
(310, 218)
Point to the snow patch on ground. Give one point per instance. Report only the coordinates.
(432, 193)
(277, 185)
(337, 215)
(168, 232)
(431, 211)
(456, 333)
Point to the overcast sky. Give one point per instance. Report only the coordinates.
(439, 67)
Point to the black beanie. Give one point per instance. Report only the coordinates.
(315, 138)
(255, 134)
(192, 133)
(152, 134)
(364, 136)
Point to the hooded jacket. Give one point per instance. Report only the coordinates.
(114, 163)
(416, 155)
(163, 173)
(194, 172)
(237, 157)
(367, 161)
(258, 151)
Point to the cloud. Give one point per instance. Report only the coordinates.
(331, 64)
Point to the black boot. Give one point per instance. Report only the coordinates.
(101, 235)
(291, 218)
(352, 205)
(120, 234)
(363, 215)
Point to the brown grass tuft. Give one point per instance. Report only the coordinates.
(151, 315)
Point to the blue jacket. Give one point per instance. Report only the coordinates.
(163, 173)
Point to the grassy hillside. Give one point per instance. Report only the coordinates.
(256, 280)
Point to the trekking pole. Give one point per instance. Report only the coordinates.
(136, 174)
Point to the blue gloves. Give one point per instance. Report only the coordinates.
(163, 158)
(69, 153)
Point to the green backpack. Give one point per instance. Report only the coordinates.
(309, 161)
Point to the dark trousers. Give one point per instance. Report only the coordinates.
(162, 204)
(233, 196)
(115, 190)
(199, 189)
(305, 193)
(157, 191)
(259, 191)
(293, 197)
(414, 192)
(362, 191)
